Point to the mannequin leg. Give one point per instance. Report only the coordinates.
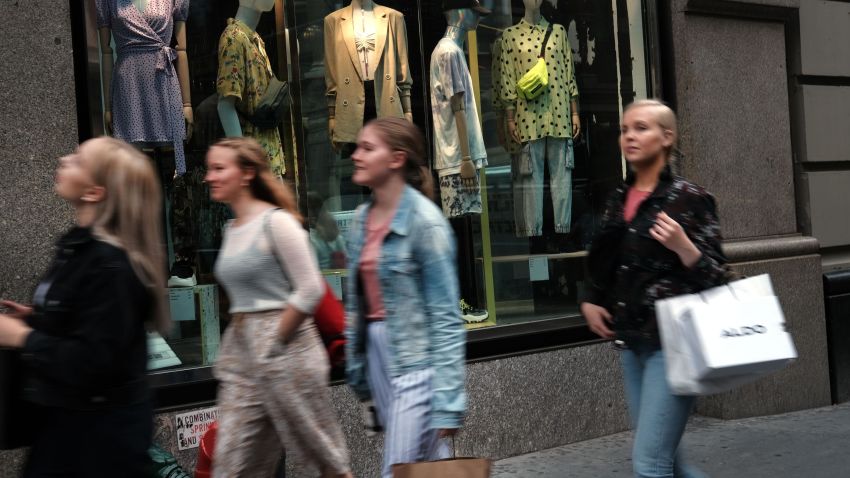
(560, 159)
(531, 185)
(460, 207)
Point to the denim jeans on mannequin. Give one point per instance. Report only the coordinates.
(558, 154)
(658, 417)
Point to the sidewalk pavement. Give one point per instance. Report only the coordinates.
(808, 444)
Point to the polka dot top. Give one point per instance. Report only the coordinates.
(548, 114)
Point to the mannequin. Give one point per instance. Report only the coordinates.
(458, 142)
(235, 91)
(365, 57)
(547, 124)
(160, 112)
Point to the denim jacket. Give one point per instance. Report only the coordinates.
(419, 287)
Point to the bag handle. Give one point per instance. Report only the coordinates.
(545, 40)
(267, 228)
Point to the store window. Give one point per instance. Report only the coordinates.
(521, 247)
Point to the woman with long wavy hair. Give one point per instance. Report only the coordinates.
(83, 339)
(273, 370)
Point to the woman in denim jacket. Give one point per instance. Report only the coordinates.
(659, 238)
(405, 337)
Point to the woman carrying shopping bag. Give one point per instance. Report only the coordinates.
(83, 339)
(406, 342)
(659, 238)
(272, 368)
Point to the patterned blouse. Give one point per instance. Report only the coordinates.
(548, 114)
(244, 72)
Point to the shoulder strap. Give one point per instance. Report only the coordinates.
(545, 40)
(267, 228)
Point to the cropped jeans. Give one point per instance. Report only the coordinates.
(528, 185)
(658, 417)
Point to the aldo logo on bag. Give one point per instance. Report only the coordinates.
(744, 331)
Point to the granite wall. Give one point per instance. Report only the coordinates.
(736, 64)
(38, 119)
(516, 405)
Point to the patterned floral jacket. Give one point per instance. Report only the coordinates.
(629, 270)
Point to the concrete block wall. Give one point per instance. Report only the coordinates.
(824, 160)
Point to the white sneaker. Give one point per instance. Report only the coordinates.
(471, 314)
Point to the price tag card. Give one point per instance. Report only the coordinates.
(182, 303)
(538, 268)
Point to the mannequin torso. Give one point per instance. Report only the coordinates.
(533, 16)
(227, 114)
(244, 76)
(364, 34)
(460, 22)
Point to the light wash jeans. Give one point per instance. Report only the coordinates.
(528, 188)
(658, 417)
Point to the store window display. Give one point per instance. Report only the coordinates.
(244, 75)
(147, 101)
(521, 225)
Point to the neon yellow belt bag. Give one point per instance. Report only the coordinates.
(536, 80)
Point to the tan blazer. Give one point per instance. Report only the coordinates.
(344, 78)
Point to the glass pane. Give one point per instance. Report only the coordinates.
(540, 219)
(193, 223)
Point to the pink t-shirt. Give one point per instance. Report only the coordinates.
(633, 200)
(375, 234)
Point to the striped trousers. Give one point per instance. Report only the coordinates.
(403, 404)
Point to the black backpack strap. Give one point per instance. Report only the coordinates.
(545, 40)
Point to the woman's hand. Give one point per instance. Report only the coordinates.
(598, 318)
(19, 311)
(13, 331)
(671, 235)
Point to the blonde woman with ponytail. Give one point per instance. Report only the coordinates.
(405, 339)
(273, 370)
(83, 340)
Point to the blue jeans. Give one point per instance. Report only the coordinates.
(658, 417)
(528, 188)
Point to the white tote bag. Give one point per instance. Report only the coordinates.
(723, 337)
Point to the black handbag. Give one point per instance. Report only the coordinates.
(14, 411)
(273, 105)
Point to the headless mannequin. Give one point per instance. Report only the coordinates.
(249, 13)
(366, 6)
(107, 63)
(532, 16)
(460, 22)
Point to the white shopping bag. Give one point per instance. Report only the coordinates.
(723, 337)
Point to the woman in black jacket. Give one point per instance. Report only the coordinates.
(83, 341)
(659, 238)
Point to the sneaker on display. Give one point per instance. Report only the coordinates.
(182, 275)
(471, 314)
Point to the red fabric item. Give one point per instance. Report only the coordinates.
(203, 469)
(633, 200)
(329, 317)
